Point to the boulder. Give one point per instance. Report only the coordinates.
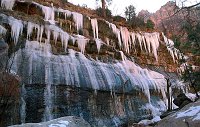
(69, 121)
(181, 100)
(188, 116)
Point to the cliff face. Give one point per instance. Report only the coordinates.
(73, 62)
(171, 20)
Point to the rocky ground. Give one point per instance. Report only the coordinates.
(188, 116)
(69, 121)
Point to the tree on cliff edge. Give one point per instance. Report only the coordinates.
(103, 5)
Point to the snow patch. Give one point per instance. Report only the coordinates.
(193, 111)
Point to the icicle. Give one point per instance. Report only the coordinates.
(78, 19)
(139, 37)
(144, 43)
(98, 43)
(30, 27)
(107, 41)
(133, 38)
(7, 4)
(122, 56)
(154, 44)
(16, 28)
(94, 24)
(148, 43)
(2, 30)
(64, 39)
(41, 32)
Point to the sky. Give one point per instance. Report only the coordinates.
(118, 6)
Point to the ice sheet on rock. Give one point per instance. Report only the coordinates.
(16, 28)
(2, 30)
(7, 4)
(94, 24)
(78, 19)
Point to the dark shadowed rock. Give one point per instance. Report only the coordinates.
(181, 100)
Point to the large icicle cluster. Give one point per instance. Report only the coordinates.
(16, 28)
(95, 29)
(94, 24)
(82, 41)
(128, 39)
(76, 69)
(49, 12)
(78, 19)
(7, 4)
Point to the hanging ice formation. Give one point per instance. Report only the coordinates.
(49, 12)
(94, 24)
(32, 26)
(16, 28)
(82, 41)
(7, 4)
(175, 53)
(97, 75)
(66, 13)
(98, 41)
(78, 19)
(2, 30)
(125, 38)
(116, 31)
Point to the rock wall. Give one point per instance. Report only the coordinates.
(78, 64)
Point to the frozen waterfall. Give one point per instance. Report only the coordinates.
(76, 70)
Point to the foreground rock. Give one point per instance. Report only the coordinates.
(188, 116)
(69, 121)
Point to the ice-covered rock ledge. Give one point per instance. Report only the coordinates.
(69, 121)
(188, 116)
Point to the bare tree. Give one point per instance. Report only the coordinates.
(103, 5)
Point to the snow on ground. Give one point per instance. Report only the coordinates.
(193, 111)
